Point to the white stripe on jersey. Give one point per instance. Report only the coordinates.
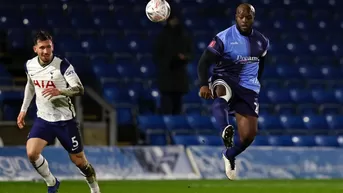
(58, 108)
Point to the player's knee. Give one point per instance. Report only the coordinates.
(223, 92)
(220, 90)
(248, 137)
(33, 155)
(79, 159)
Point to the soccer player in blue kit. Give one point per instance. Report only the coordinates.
(54, 81)
(238, 53)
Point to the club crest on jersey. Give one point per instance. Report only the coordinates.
(247, 59)
(44, 84)
(212, 44)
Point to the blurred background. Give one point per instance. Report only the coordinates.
(114, 49)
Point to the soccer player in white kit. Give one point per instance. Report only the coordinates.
(54, 81)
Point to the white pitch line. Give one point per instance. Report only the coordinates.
(271, 185)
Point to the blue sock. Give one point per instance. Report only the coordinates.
(238, 148)
(220, 111)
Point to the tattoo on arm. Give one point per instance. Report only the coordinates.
(73, 91)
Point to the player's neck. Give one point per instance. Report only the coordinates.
(43, 64)
(247, 33)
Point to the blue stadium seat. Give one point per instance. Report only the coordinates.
(194, 110)
(315, 122)
(103, 18)
(186, 140)
(15, 38)
(339, 94)
(192, 97)
(330, 72)
(151, 122)
(335, 122)
(11, 95)
(116, 95)
(103, 70)
(154, 129)
(270, 73)
(124, 115)
(311, 72)
(321, 96)
(158, 139)
(128, 71)
(260, 140)
(93, 44)
(282, 140)
(292, 122)
(324, 140)
(301, 96)
(147, 70)
(269, 122)
(287, 72)
(303, 141)
(279, 96)
(10, 112)
(212, 140)
(202, 124)
(177, 124)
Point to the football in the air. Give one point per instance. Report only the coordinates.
(157, 10)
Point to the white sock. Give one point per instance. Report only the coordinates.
(94, 186)
(91, 179)
(42, 167)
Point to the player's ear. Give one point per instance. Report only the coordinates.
(35, 48)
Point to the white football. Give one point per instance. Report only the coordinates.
(157, 10)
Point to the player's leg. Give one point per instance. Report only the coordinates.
(86, 169)
(246, 118)
(38, 138)
(220, 111)
(70, 138)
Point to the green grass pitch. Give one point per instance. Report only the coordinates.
(185, 186)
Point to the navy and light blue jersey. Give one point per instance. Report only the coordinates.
(240, 56)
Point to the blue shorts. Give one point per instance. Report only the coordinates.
(243, 101)
(67, 132)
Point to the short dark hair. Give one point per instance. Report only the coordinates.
(42, 36)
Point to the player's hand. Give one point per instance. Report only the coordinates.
(51, 92)
(205, 92)
(21, 119)
(182, 56)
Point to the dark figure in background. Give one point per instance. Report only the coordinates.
(172, 53)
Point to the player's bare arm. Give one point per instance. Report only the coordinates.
(28, 96)
(73, 91)
(76, 88)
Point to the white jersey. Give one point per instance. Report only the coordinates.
(58, 74)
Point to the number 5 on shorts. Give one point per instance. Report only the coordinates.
(75, 143)
(256, 107)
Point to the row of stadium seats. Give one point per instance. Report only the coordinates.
(274, 140)
(267, 122)
(146, 68)
(122, 94)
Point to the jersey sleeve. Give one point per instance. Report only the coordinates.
(75, 86)
(266, 48)
(28, 93)
(69, 74)
(216, 46)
